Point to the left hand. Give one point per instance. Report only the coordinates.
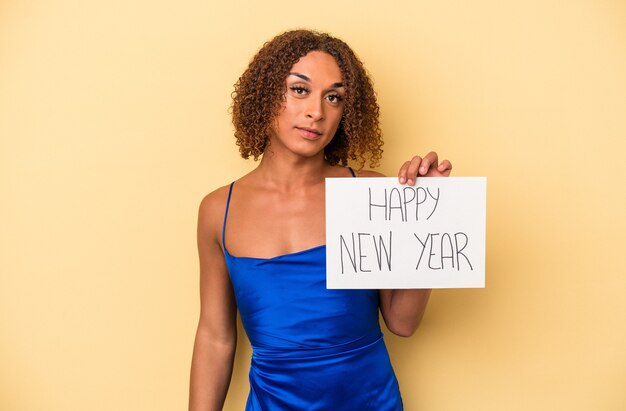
(428, 166)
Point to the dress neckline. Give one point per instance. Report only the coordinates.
(277, 257)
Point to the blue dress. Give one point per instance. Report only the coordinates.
(312, 348)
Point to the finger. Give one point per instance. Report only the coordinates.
(445, 168)
(430, 159)
(402, 174)
(411, 174)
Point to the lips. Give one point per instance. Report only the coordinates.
(309, 133)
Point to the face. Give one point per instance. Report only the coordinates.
(312, 107)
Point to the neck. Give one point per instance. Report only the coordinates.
(286, 172)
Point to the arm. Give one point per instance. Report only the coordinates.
(403, 310)
(216, 337)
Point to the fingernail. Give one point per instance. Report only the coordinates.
(402, 180)
(423, 170)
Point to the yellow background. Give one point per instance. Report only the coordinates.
(114, 123)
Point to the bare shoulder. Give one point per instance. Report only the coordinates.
(215, 200)
(211, 211)
(369, 173)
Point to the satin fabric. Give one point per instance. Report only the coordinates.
(313, 348)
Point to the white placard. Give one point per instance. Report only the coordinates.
(381, 234)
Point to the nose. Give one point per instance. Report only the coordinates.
(315, 109)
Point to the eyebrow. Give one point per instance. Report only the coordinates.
(307, 79)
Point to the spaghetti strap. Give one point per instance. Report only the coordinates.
(352, 172)
(230, 191)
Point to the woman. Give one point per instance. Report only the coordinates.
(306, 106)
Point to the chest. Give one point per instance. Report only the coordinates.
(270, 224)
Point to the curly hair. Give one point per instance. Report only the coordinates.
(260, 90)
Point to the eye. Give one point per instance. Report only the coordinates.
(299, 90)
(334, 98)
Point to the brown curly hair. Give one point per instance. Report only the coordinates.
(260, 90)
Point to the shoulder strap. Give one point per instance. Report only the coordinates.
(230, 191)
(352, 172)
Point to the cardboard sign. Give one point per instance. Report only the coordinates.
(381, 234)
